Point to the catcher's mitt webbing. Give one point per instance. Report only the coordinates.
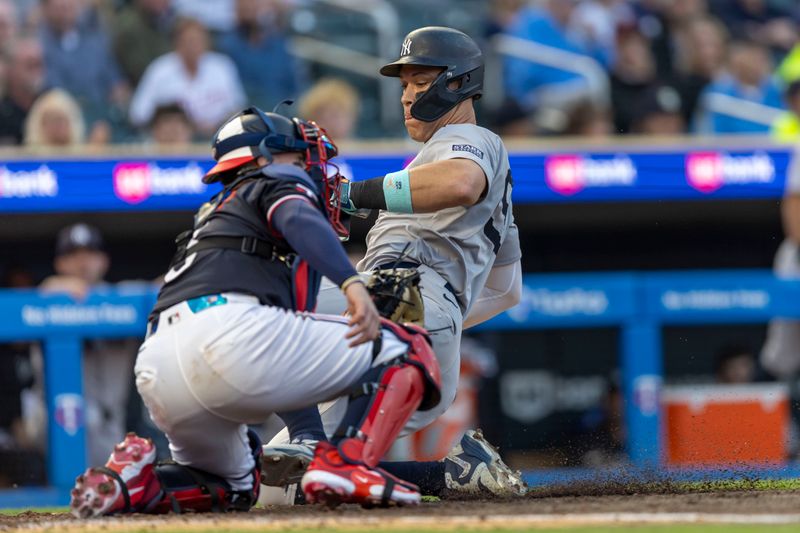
(397, 296)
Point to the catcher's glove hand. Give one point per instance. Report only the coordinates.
(397, 296)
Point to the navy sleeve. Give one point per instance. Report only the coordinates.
(310, 235)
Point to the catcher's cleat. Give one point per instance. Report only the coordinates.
(99, 491)
(474, 467)
(332, 481)
(285, 464)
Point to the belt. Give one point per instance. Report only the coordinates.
(201, 303)
(412, 264)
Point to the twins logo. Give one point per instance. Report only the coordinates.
(406, 48)
(69, 412)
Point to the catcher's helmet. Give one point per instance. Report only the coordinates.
(252, 133)
(249, 134)
(457, 53)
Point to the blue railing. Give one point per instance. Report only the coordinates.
(640, 304)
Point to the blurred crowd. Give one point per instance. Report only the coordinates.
(168, 72)
(162, 71)
(669, 67)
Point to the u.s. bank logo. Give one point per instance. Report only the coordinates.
(406, 49)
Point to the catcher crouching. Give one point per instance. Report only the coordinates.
(231, 340)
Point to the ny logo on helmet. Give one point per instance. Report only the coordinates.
(406, 49)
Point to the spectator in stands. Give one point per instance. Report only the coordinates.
(81, 264)
(789, 69)
(142, 33)
(9, 24)
(589, 120)
(78, 59)
(734, 364)
(658, 112)
(634, 71)
(746, 98)
(762, 21)
(700, 58)
(501, 16)
(666, 25)
(511, 120)
(334, 105)
(216, 15)
(205, 83)
(3, 76)
(787, 127)
(25, 81)
(597, 22)
(536, 85)
(171, 126)
(259, 48)
(55, 120)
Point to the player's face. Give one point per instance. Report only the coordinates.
(415, 80)
(89, 265)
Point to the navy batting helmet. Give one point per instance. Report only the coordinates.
(456, 53)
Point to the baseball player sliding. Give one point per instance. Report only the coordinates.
(229, 342)
(448, 216)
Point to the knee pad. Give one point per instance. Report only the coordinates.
(420, 355)
(396, 390)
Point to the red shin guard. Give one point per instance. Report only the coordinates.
(409, 383)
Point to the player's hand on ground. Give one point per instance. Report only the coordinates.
(365, 322)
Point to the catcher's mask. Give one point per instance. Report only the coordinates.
(252, 133)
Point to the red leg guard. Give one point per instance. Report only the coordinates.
(190, 489)
(131, 482)
(403, 387)
(420, 354)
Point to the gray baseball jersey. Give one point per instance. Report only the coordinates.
(460, 243)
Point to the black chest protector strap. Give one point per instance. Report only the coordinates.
(245, 245)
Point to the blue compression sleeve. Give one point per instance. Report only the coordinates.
(312, 237)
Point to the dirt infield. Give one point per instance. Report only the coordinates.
(542, 510)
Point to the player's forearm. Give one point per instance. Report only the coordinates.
(311, 236)
(423, 189)
(502, 291)
(790, 210)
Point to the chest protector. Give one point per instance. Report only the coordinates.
(305, 281)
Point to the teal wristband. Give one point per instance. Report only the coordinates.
(397, 192)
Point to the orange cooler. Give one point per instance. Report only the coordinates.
(712, 425)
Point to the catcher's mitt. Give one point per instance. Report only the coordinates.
(396, 295)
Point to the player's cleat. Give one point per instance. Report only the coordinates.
(285, 464)
(127, 481)
(332, 481)
(474, 467)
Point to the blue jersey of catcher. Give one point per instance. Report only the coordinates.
(260, 236)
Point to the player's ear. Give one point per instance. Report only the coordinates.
(262, 161)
